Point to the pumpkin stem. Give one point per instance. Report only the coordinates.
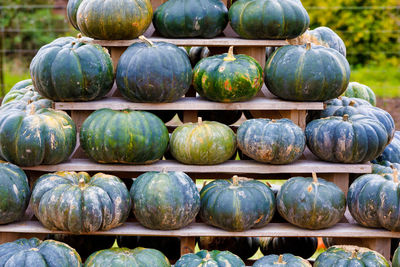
(81, 182)
(314, 177)
(354, 253)
(235, 180)
(200, 120)
(30, 101)
(208, 256)
(273, 120)
(147, 41)
(395, 174)
(79, 35)
(345, 117)
(32, 111)
(280, 260)
(352, 103)
(164, 170)
(230, 56)
(308, 46)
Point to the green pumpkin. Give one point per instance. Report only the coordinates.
(271, 141)
(191, 18)
(126, 136)
(37, 253)
(78, 203)
(382, 167)
(286, 259)
(392, 151)
(326, 37)
(350, 256)
(244, 247)
(303, 247)
(197, 53)
(21, 85)
(353, 139)
(153, 72)
(306, 73)
(214, 258)
(268, 19)
(14, 193)
(237, 204)
(27, 95)
(396, 258)
(228, 77)
(165, 200)
(311, 203)
(358, 90)
(116, 20)
(123, 257)
(72, 9)
(203, 143)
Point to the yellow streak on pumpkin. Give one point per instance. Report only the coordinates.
(259, 219)
(309, 188)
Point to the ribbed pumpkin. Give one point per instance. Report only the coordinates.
(396, 258)
(237, 204)
(78, 203)
(197, 53)
(244, 247)
(358, 90)
(227, 117)
(350, 256)
(326, 37)
(383, 167)
(137, 257)
(228, 77)
(25, 96)
(332, 105)
(191, 18)
(311, 203)
(286, 259)
(127, 136)
(14, 192)
(70, 69)
(153, 72)
(392, 151)
(306, 73)
(115, 20)
(271, 141)
(268, 19)
(346, 139)
(214, 258)
(21, 84)
(165, 200)
(72, 9)
(203, 143)
(37, 253)
(303, 247)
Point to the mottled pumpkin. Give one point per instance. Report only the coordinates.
(228, 77)
(358, 90)
(326, 37)
(25, 96)
(214, 258)
(127, 136)
(244, 247)
(78, 203)
(72, 9)
(303, 247)
(197, 53)
(286, 259)
(392, 151)
(306, 73)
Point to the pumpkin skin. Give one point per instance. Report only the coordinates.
(78, 203)
(311, 203)
(27, 96)
(358, 90)
(126, 136)
(63, 70)
(346, 139)
(306, 73)
(214, 258)
(197, 53)
(121, 257)
(226, 117)
(326, 37)
(72, 9)
(392, 151)
(271, 141)
(350, 256)
(286, 259)
(268, 19)
(153, 72)
(34, 252)
(303, 247)
(203, 143)
(237, 204)
(244, 247)
(396, 258)
(191, 18)
(228, 77)
(21, 84)
(382, 167)
(116, 20)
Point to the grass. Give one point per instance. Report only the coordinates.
(14, 72)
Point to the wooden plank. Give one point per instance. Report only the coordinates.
(116, 53)
(256, 52)
(79, 117)
(190, 116)
(10, 237)
(340, 179)
(188, 245)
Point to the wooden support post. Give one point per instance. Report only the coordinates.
(79, 116)
(9, 237)
(340, 179)
(157, 3)
(297, 116)
(257, 52)
(116, 53)
(189, 116)
(187, 245)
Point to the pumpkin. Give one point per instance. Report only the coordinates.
(14, 193)
(24, 97)
(228, 77)
(306, 73)
(350, 256)
(78, 203)
(205, 258)
(34, 252)
(191, 18)
(269, 50)
(392, 151)
(127, 136)
(303, 247)
(353, 139)
(383, 167)
(311, 203)
(153, 72)
(116, 20)
(358, 90)
(237, 204)
(286, 259)
(21, 85)
(227, 117)
(165, 200)
(197, 53)
(396, 258)
(203, 143)
(72, 9)
(326, 37)
(268, 19)
(137, 257)
(244, 247)
(271, 141)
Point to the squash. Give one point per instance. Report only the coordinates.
(306, 73)
(268, 19)
(116, 20)
(197, 53)
(21, 85)
(72, 9)
(165, 200)
(126, 136)
(205, 258)
(326, 37)
(396, 258)
(271, 141)
(311, 203)
(358, 90)
(226, 117)
(392, 151)
(78, 203)
(153, 72)
(22, 97)
(228, 77)
(244, 247)
(286, 259)
(237, 204)
(303, 247)
(383, 167)
(64, 70)
(190, 18)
